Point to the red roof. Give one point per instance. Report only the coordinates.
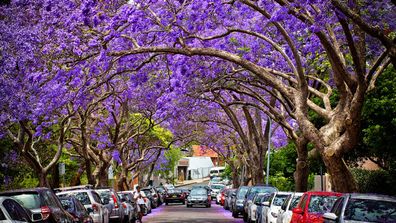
(203, 151)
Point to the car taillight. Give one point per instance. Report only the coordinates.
(124, 205)
(95, 208)
(115, 200)
(46, 212)
(209, 197)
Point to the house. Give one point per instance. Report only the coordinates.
(204, 151)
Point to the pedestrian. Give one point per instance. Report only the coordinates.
(140, 197)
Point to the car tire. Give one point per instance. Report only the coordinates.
(234, 214)
(166, 203)
(245, 217)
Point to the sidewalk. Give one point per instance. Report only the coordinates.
(189, 182)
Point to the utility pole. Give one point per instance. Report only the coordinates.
(269, 151)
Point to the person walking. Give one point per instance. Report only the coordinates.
(139, 197)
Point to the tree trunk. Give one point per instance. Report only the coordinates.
(257, 172)
(88, 170)
(122, 183)
(101, 176)
(43, 180)
(302, 170)
(341, 177)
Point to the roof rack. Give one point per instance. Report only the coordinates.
(80, 187)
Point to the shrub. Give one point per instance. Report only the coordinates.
(375, 181)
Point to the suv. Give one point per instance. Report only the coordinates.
(43, 201)
(91, 201)
(113, 202)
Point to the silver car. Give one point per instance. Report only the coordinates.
(91, 201)
(12, 211)
(130, 209)
(110, 198)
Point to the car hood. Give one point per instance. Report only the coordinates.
(198, 197)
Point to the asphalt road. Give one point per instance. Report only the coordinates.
(179, 213)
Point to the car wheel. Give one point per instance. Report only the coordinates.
(166, 203)
(245, 217)
(234, 214)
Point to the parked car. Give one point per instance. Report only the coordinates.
(215, 189)
(127, 196)
(152, 195)
(261, 208)
(130, 209)
(313, 205)
(215, 180)
(12, 211)
(228, 198)
(285, 212)
(220, 199)
(111, 199)
(174, 196)
(161, 192)
(237, 202)
(185, 191)
(252, 208)
(91, 201)
(198, 196)
(274, 205)
(251, 193)
(76, 209)
(362, 208)
(41, 201)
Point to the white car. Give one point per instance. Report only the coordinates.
(12, 211)
(285, 213)
(277, 199)
(215, 189)
(91, 201)
(252, 207)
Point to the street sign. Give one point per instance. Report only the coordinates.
(111, 174)
(61, 168)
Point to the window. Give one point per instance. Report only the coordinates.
(370, 210)
(2, 216)
(321, 204)
(67, 204)
(82, 197)
(337, 207)
(294, 202)
(279, 199)
(303, 202)
(95, 197)
(29, 201)
(287, 201)
(15, 210)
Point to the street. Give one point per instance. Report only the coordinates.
(178, 213)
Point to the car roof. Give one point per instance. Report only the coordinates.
(325, 193)
(372, 197)
(29, 190)
(74, 191)
(283, 193)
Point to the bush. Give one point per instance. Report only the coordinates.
(375, 181)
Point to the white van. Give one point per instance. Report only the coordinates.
(216, 171)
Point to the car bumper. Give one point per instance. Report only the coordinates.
(198, 202)
(174, 200)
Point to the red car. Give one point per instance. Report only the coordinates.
(313, 205)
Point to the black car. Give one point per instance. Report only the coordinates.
(174, 196)
(43, 201)
(76, 209)
(258, 189)
(238, 197)
(198, 196)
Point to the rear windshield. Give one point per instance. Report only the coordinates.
(83, 197)
(242, 192)
(199, 192)
(370, 210)
(217, 187)
(174, 191)
(29, 201)
(321, 204)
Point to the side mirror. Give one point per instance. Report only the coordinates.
(298, 211)
(330, 216)
(37, 217)
(266, 203)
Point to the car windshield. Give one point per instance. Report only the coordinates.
(294, 202)
(370, 210)
(242, 192)
(198, 192)
(279, 199)
(83, 197)
(321, 204)
(263, 190)
(217, 187)
(216, 179)
(67, 204)
(29, 201)
(174, 191)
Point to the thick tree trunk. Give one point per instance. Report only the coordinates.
(341, 177)
(122, 183)
(88, 170)
(101, 176)
(43, 180)
(258, 172)
(302, 170)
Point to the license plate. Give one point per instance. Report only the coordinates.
(174, 196)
